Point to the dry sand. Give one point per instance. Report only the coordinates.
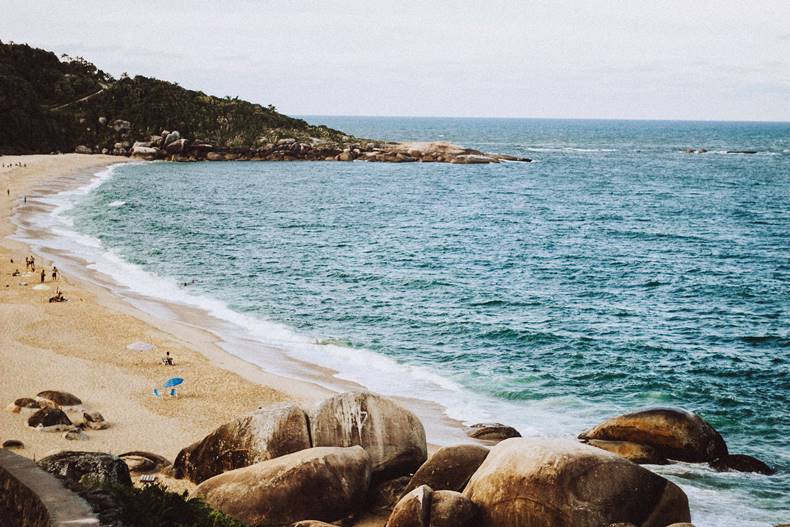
(80, 346)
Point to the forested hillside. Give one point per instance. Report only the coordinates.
(55, 104)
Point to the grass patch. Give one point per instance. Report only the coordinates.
(154, 506)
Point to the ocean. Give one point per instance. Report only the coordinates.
(613, 273)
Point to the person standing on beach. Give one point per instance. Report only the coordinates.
(43, 275)
(54, 273)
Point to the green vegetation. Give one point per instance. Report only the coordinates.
(154, 506)
(48, 104)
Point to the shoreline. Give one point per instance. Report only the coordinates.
(221, 388)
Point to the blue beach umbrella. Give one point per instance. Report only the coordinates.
(174, 381)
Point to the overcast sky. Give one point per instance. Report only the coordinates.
(697, 59)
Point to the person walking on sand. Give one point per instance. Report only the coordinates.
(43, 275)
(54, 273)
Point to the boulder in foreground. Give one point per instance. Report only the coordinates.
(413, 510)
(673, 433)
(326, 484)
(424, 507)
(449, 468)
(393, 436)
(264, 434)
(560, 483)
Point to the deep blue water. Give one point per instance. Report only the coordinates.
(614, 272)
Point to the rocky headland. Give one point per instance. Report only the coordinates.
(67, 104)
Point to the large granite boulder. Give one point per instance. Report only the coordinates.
(326, 484)
(449, 468)
(673, 433)
(382, 497)
(393, 436)
(560, 483)
(266, 433)
(87, 469)
(48, 416)
(452, 509)
(424, 507)
(638, 453)
(60, 398)
(413, 510)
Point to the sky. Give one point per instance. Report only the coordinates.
(697, 60)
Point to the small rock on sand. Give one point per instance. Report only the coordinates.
(13, 443)
(60, 398)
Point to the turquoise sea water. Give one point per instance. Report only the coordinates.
(615, 272)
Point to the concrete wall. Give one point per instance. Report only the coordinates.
(30, 497)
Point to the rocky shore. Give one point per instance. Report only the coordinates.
(170, 145)
(359, 455)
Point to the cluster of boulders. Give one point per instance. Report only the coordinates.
(358, 453)
(171, 146)
(49, 412)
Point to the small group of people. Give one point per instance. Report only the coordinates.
(30, 265)
(11, 165)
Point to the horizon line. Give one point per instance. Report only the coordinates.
(624, 119)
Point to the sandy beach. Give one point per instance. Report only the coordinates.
(80, 346)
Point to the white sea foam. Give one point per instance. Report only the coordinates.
(117, 203)
(566, 149)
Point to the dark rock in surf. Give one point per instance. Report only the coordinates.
(741, 463)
